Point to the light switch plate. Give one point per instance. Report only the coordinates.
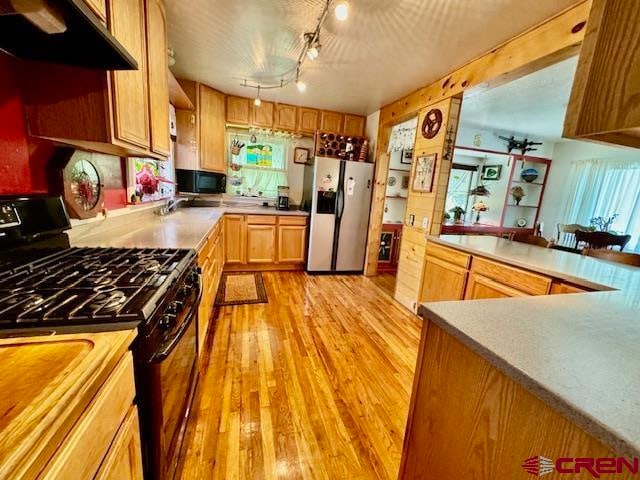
(425, 222)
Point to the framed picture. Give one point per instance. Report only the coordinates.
(423, 173)
(491, 172)
(406, 157)
(301, 155)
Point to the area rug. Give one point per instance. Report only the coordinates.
(240, 289)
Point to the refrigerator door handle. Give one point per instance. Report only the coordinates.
(340, 203)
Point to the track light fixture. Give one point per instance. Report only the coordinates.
(310, 51)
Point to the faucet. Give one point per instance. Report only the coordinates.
(172, 205)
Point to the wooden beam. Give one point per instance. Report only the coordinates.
(556, 39)
(604, 104)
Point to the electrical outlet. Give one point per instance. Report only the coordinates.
(425, 222)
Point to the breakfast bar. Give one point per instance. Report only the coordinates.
(550, 375)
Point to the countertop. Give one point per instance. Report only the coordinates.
(578, 352)
(47, 383)
(184, 228)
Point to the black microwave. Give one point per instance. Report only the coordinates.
(197, 181)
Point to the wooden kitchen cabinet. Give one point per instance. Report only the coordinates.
(211, 260)
(354, 125)
(261, 243)
(389, 248)
(442, 281)
(308, 120)
(292, 243)
(124, 461)
(235, 239)
(158, 66)
(238, 110)
(331, 121)
(112, 112)
(285, 117)
(211, 105)
(262, 116)
(479, 287)
(99, 7)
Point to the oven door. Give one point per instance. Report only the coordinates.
(175, 372)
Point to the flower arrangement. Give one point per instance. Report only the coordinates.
(479, 207)
(604, 224)
(518, 194)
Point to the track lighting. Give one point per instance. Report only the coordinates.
(342, 11)
(301, 86)
(313, 53)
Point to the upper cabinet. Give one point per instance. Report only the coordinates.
(262, 116)
(285, 117)
(308, 120)
(158, 66)
(116, 112)
(99, 7)
(211, 109)
(604, 102)
(331, 121)
(354, 125)
(238, 110)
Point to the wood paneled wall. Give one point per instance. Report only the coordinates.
(550, 42)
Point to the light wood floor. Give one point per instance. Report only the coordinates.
(385, 281)
(314, 384)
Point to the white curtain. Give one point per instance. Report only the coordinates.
(602, 188)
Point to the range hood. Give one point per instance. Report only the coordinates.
(60, 31)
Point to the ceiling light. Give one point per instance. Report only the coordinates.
(301, 86)
(313, 52)
(257, 102)
(342, 11)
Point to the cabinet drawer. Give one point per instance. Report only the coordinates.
(261, 219)
(522, 280)
(292, 220)
(85, 447)
(449, 255)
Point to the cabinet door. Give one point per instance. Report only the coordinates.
(292, 244)
(234, 238)
(308, 119)
(238, 109)
(124, 459)
(442, 281)
(129, 87)
(480, 287)
(261, 243)
(262, 116)
(354, 125)
(285, 117)
(99, 7)
(331, 121)
(206, 303)
(212, 128)
(158, 77)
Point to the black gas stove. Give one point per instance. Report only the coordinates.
(78, 287)
(49, 288)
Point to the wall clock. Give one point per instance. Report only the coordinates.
(432, 123)
(301, 155)
(83, 188)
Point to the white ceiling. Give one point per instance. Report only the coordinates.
(386, 48)
(533, 106)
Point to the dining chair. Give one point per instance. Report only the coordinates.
(597, 240)
(613, 256)
(530, 239)
(566, 235)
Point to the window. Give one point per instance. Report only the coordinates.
(259, 168)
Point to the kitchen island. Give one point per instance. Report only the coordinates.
(500, 381)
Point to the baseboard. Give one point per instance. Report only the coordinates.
(264, 267)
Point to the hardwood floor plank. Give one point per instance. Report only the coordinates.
(314, 384)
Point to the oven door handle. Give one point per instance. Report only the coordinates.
(168, 347)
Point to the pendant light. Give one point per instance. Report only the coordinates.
(257, 102)
(342, 10)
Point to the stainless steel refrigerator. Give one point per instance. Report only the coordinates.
(338, 196)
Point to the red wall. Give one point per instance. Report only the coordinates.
(24, 160)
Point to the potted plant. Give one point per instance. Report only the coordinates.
(517, 193)
(603, 224)
(479, 207)
(458, 212)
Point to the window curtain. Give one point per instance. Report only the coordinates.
(258, 172)
(403, 136)
(602, 188)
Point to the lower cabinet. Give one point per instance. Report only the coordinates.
(265, 242)
(480, 287)
(211, 263)
(123, 460)
(442, 281)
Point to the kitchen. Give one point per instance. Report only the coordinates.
(219, 314)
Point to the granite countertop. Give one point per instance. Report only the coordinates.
(578, 352)
(184, 228)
